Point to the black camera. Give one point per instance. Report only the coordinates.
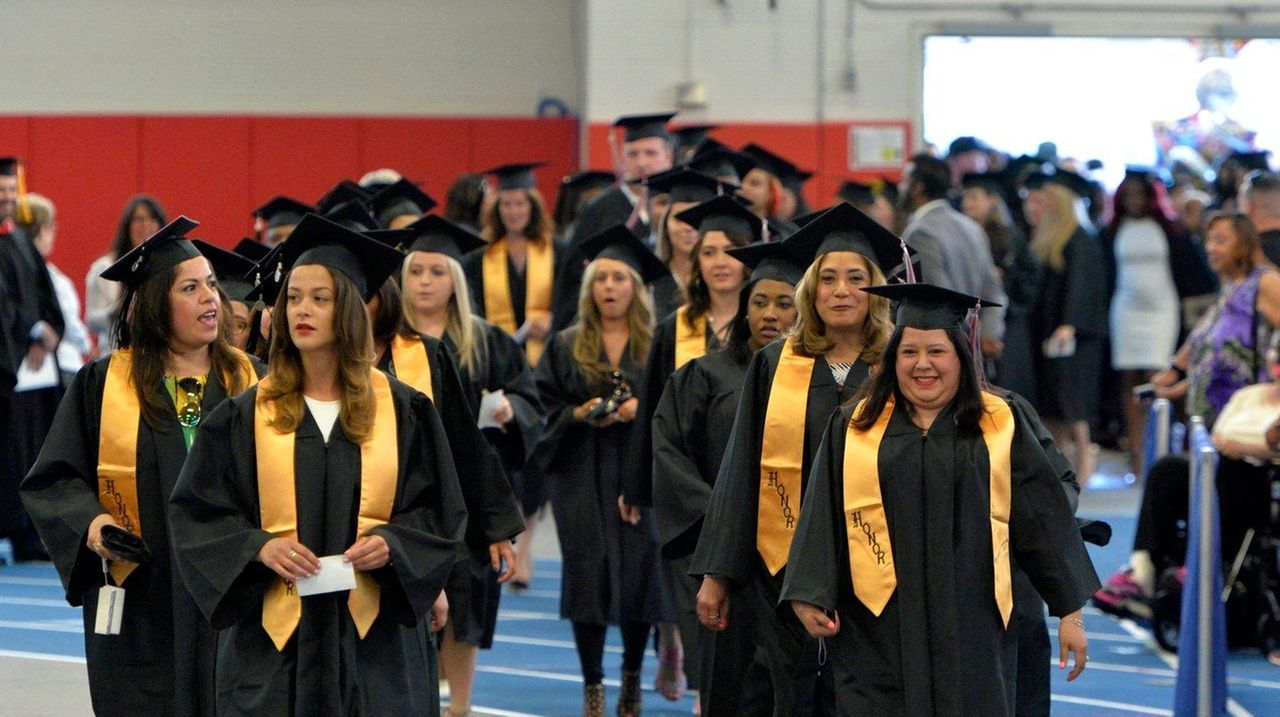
(618, 395)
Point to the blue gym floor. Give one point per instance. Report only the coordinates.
(533, 670)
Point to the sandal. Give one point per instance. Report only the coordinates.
(593, 700)
(630, 698)
(670, 680)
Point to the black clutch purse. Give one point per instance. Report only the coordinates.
(618, 395)
(125, 544)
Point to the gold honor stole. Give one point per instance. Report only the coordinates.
(690, 343)
(413, 366)
(118, 446)
(538, 272)
(781, 457)
(870, 551)
(278, 507)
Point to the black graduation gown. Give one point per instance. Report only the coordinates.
(162, 660)
(727, 544)
(939, 647)
(610, 208)
(610, 572)
(325, 668)
(691, 427)
(1077, 295)
(638, 486)
(493, 513)
(667, 296)
(473, 267)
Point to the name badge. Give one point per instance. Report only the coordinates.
(110, 610)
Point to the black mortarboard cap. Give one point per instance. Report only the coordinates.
(282, 211)
(805, 219)
(252, 250)
(1035, 180)
(437, 234)
(1080, 186)
(515, 176)
(960, 145)
(724, 214)
(795, 179)
(718, 160)
(928, 306)
(617, 242)
(589, 178)
(353, 216)
(855, 192)
(266, 277)
(399, 199)
(686, 185)
(1252, 160)
(692, 135)
(770, 261)
(845, 228)
(233, 270)
(889, 189)
(161, 251)
(317, 240)
(767, 161)
(342, 192)
(644, 126)
(990, 181)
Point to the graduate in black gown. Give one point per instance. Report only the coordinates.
(923, 493)
(436, 304)
(586, 382)
(400, 204)
(792, 387)
(112, 459)
(326, 457)
(691, 427)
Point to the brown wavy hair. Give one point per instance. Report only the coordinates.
(589, 340)
(283, 384)
(145, 331)
(699, 302)
(540, 225)
(810, 331)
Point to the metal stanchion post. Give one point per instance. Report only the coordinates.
(1208, 504)
(1163, 411)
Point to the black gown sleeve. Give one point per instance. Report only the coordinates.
(817, 548)
(1085, 301)
(557, 398)
(727, 546)
(637, 486)
(61, 490)
(509, 370)
(494, 514)
(1026, 415)
(473, 268)
(680, 491)
(1043, 535)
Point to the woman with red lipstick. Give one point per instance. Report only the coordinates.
(791, 389)
(435, 308)
(691, 427)
(320, 513)
(926, 487)
(586, 381)
(118, 441)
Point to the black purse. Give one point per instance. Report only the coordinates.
(125, 544)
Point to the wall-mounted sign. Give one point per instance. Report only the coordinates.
(878, 146)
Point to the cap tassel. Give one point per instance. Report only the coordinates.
(616, 153)
(975, 346)
(906, 263)
(764, 231)
(24, 206)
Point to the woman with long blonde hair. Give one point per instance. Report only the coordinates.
(791, 389)
(327, 468)
(436, 306)
(587, 381)
(1071, 321)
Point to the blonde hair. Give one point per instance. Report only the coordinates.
(810, 331)
(1049, 238)
(589, 340)
(42, 213)
(354, 338)
(462, 325)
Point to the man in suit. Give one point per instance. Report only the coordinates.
(647, 149)
(33, 331)
(954, 252)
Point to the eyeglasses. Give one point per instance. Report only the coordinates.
(189, 411)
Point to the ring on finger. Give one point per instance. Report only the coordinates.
(293, 554)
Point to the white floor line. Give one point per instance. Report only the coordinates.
(70, 625)
(36, 602)
(534, 593)
(15, 580)
(1139, 709)
(526, 615)
(494, 711)
(1233, 708)
(43, 656)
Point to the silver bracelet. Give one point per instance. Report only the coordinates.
(1075, 621)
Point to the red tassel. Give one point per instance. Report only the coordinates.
(975, 345)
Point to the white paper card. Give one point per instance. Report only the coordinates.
(335, 574)
(488, 404)
(110, 610)
(44, 377)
